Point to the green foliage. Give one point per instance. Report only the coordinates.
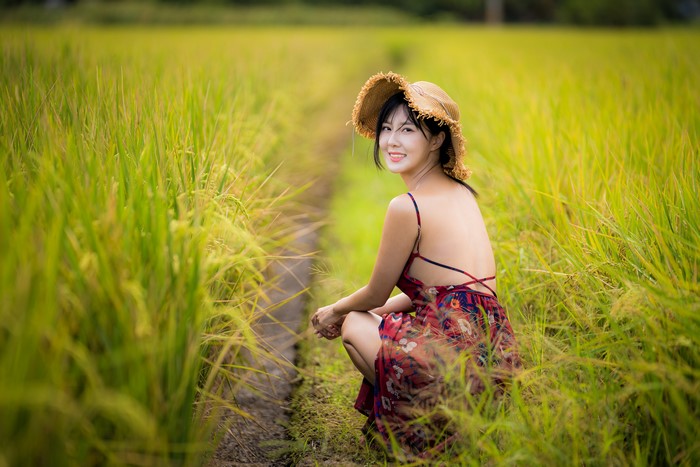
(143, 175)
(209, 13)
(592, 156)
(617, 13)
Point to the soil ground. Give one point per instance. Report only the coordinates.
(260, 439)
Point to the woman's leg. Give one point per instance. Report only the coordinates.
(361, 340)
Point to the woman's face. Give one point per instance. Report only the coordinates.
(406, 149)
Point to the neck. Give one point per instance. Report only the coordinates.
(425, 176)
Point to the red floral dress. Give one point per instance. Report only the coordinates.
(450, 322)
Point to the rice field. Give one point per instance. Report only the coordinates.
(149, 175)
(147, 178)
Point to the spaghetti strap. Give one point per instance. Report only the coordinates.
(415, 205)
(474, 279)
(416, 246)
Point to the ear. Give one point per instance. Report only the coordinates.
(437, 140)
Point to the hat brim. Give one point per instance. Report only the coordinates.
(380, 87)
(376, 91)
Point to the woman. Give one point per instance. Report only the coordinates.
(435, 249)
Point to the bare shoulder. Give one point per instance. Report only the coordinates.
(401, 210)
(401, 203)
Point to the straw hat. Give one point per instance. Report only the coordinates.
(426, 98)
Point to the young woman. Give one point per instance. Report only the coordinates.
(435, 249)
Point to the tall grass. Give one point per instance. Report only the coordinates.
(594, 172)
(143, 175)
(584, 146)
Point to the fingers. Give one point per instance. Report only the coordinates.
(328, 332)
(332, 332)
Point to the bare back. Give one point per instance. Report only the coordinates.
(453, 233)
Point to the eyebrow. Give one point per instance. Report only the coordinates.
(407, 121)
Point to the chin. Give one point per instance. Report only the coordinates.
(394, 167)
(394, 170)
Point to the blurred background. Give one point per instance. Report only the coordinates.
(577, 12)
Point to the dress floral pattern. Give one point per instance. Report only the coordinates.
(448, 323)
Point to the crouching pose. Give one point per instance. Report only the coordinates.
(447, 322)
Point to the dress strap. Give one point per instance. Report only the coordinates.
(474, 280)
(416, 246)
(415, 205)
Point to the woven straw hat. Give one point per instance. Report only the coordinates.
(426, 98)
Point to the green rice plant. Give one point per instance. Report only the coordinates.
(593, 162)
(143, 176)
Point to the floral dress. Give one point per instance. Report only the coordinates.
(452, 325)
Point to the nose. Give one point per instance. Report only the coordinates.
(392, 141)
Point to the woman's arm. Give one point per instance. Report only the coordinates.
(396, 304)
(398, 238)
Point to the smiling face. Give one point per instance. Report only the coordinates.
(407, 148)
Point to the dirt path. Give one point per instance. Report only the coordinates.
(255, 441)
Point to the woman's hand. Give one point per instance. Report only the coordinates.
(327, 322)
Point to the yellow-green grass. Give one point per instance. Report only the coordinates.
(585, 150)
(143, 177)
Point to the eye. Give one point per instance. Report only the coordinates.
(385, 128)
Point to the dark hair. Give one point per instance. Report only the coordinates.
(432, 125)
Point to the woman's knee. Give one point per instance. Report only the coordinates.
(358, 324)
(349, 327)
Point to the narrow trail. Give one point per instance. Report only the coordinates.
(254, 441)
(259, 439)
